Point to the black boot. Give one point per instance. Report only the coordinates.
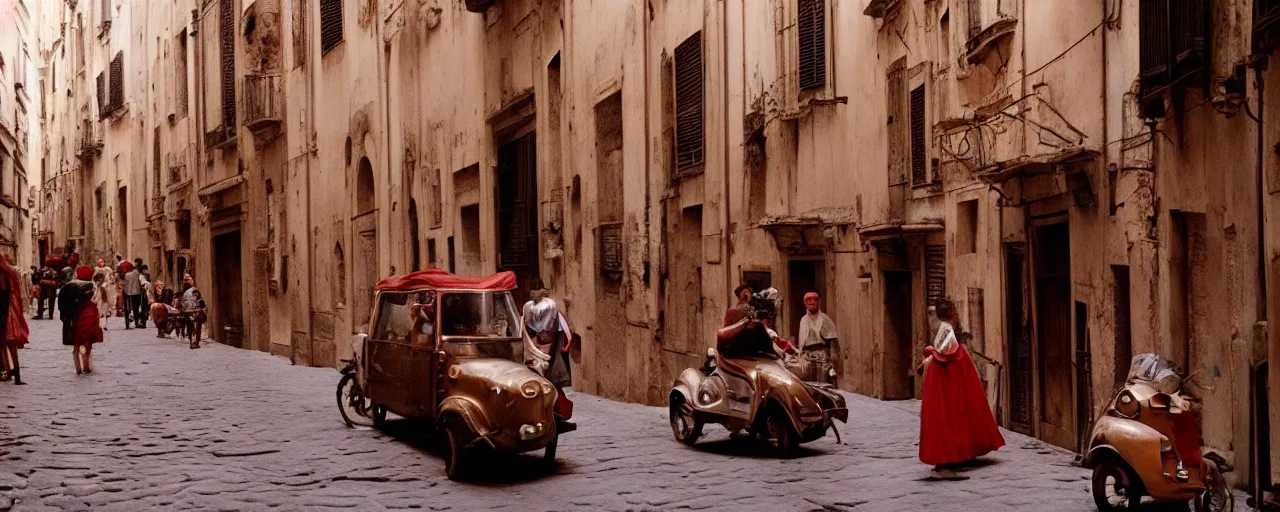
(17, 377)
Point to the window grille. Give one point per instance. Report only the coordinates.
(919, 170)
(811, 29)
(935, 273)
(330, 24)
(610, 240)
(689, 106)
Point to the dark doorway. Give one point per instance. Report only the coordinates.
(1018, 340)
(683, 315)
(1260, 477)
(451, 254)
(431, 253)
(1053, 334)
(1187, 254)
(44, 252)
(415, 251)
(227, 296)
(898, 341)
(1084, 376)
(365, 250)
(803, 276)
(123, 228)
(1123, 334)
(517, 212)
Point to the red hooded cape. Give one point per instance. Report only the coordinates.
(955, 421)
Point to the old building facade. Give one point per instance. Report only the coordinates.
(17, 136)
(1083, 185)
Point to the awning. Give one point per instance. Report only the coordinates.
(436, 278)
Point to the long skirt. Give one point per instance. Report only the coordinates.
(955, 420)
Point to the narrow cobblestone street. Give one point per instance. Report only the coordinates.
(160, 426)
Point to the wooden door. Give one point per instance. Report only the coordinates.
(518, 212)
(1018, 341)
(1053, 335)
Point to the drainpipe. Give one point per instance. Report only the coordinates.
(1262, 259)
(724, 98)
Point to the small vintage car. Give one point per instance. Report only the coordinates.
(449, 349)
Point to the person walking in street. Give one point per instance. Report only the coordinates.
(48, 281)
(193, 309)
(817, 340)
(80, 316)
(13, 320)
(956, 425)
(133, 296)
(549, 330)
(102, 297)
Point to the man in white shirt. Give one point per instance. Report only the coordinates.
(817, 340)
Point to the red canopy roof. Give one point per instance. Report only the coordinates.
(436, 278)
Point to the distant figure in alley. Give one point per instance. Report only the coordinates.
(193, 310)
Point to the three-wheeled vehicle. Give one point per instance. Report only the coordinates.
(1148, 444)
(757, 394)
(449, 349)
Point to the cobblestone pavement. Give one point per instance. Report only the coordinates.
(160, 426)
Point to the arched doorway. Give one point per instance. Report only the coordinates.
(365, 238)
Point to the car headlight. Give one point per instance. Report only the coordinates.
(547, 389)
(530, 388)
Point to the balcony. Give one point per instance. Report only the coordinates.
(264, 102)
(90, 143)
(219, 137)
(1173, 48)
(1266, 25)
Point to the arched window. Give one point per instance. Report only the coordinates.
(364, 187)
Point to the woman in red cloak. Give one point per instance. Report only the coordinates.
(13, 321)
(955, 421)
(81, 312)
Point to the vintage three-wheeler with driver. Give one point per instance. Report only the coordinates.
(449, 350)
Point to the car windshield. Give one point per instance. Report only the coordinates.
(1153, 368)
(480, 324)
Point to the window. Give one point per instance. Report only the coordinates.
(116, 93)
(919, 169)
(106, 13)
(226, 34)
(689, 106)
(967, 226)
(975, 18)
(102, 93)
(155, 166)
(330, 24)
(812, 31)
(53, 75)
(300, 37)
(944, 35)
(180, 75)
(935, 273)
(1173, 43)
(897, 122)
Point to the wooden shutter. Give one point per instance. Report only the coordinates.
(935, 273)
(300, 48)
(689, 106)
(975, 18)
(106, 12)
(330, 24)
(155, 164)
(117, 81)
(919, 171)
(226, 31)
(610, 240)
(812, 31)
(180, 70)
(102, 93)
(897, 122)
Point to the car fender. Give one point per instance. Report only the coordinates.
(1132, 441)
(790, 394)
(467, 410)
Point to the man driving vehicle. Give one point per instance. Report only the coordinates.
(744, 337)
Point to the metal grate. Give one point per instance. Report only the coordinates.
(330, 24)
(610, 237)
(935, 273)
(102, 93)
(689, 106)
(226, 32)
(812, 32)
(919, 170)
(897, 122)
(117, 83)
